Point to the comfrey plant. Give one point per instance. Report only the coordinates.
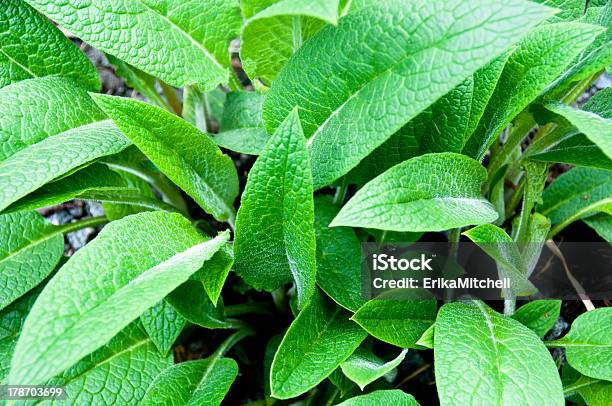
(238, 186)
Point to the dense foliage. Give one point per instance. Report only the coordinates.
(237, 187)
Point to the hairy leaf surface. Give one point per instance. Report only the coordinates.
(275, 239)
(318, 340)
(483, 357)
(180, 42)
(375, 93)
(432, 192)
(184, 154)
(382, 397)
(539, 315)
(31, 46)
(70, 318)
(364, 367)
(163, 324)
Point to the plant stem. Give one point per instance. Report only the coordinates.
(247, 308)
(516, 197)
(509, 304)
(340, 193)
(523, 123)
(173, 101)
(168, 191)
(230, 342)
(80, 224)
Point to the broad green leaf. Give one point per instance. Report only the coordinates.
(602, 224)
(118, 211)
(29, 250)
(318, 340)
(597, 56)
(573, 191)
(179, 42)
(539, 315)
(597, 129)
(338, 257)
(117, 373)
(393, 397)
(41, 119)
(191, 302)
(398, 322)
(275, 239)
(31, 46)
(201, 382)
(184, 154)
(11, 323)
(575, 150)
(539, 58)
(432, 192)
(163, 324)
(482, 357)
(595, 392)
(137, 79)
(421, 44)
(19, 176)
(364, 367)
(600, 103)
(275, 29)
(569, 10)
(241, 126)
(502, 248)
(271, 349)
(71, 317)
(537, 234)
(588, 345)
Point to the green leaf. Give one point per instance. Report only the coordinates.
(275, 29)
(432, 192)
(398, 322)
(482, 357)
(427, 339)
(539, 58)
(11, 323)
(338, 257)
(393, 397)
(536, 174)
(576, 150)
(117, 373)
(594, 391)
(118, 211)
(31, 46)
(510, 263)
(387, 88)
(241, 126)
(191, 302)
(71, 317)
(271, 349)
(363, 367)
(600, 103)
(214, 274)
(588, 345)
(29, 250)
(597, 129)
(573, 191)
(184, 154)
(602, 224)
(177, 43)
(201, 382)
(275, 239)
(318, 340)
(539, 315)
(163, 324)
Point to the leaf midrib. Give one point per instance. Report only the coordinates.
(11, 59)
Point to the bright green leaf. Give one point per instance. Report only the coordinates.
(163, 324)
(275, 239)
(399, 322)
(31, 46)
(602, 224)
(71, 317)
(338, 257)
(178, 42)
(482, 357)
(364, 367)
(575, 150)
(318, 340)
(353, 84)
(539, 315)
(393, 397)
(191, 302)
(432, 192)
(184, 154)
(29, 250)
